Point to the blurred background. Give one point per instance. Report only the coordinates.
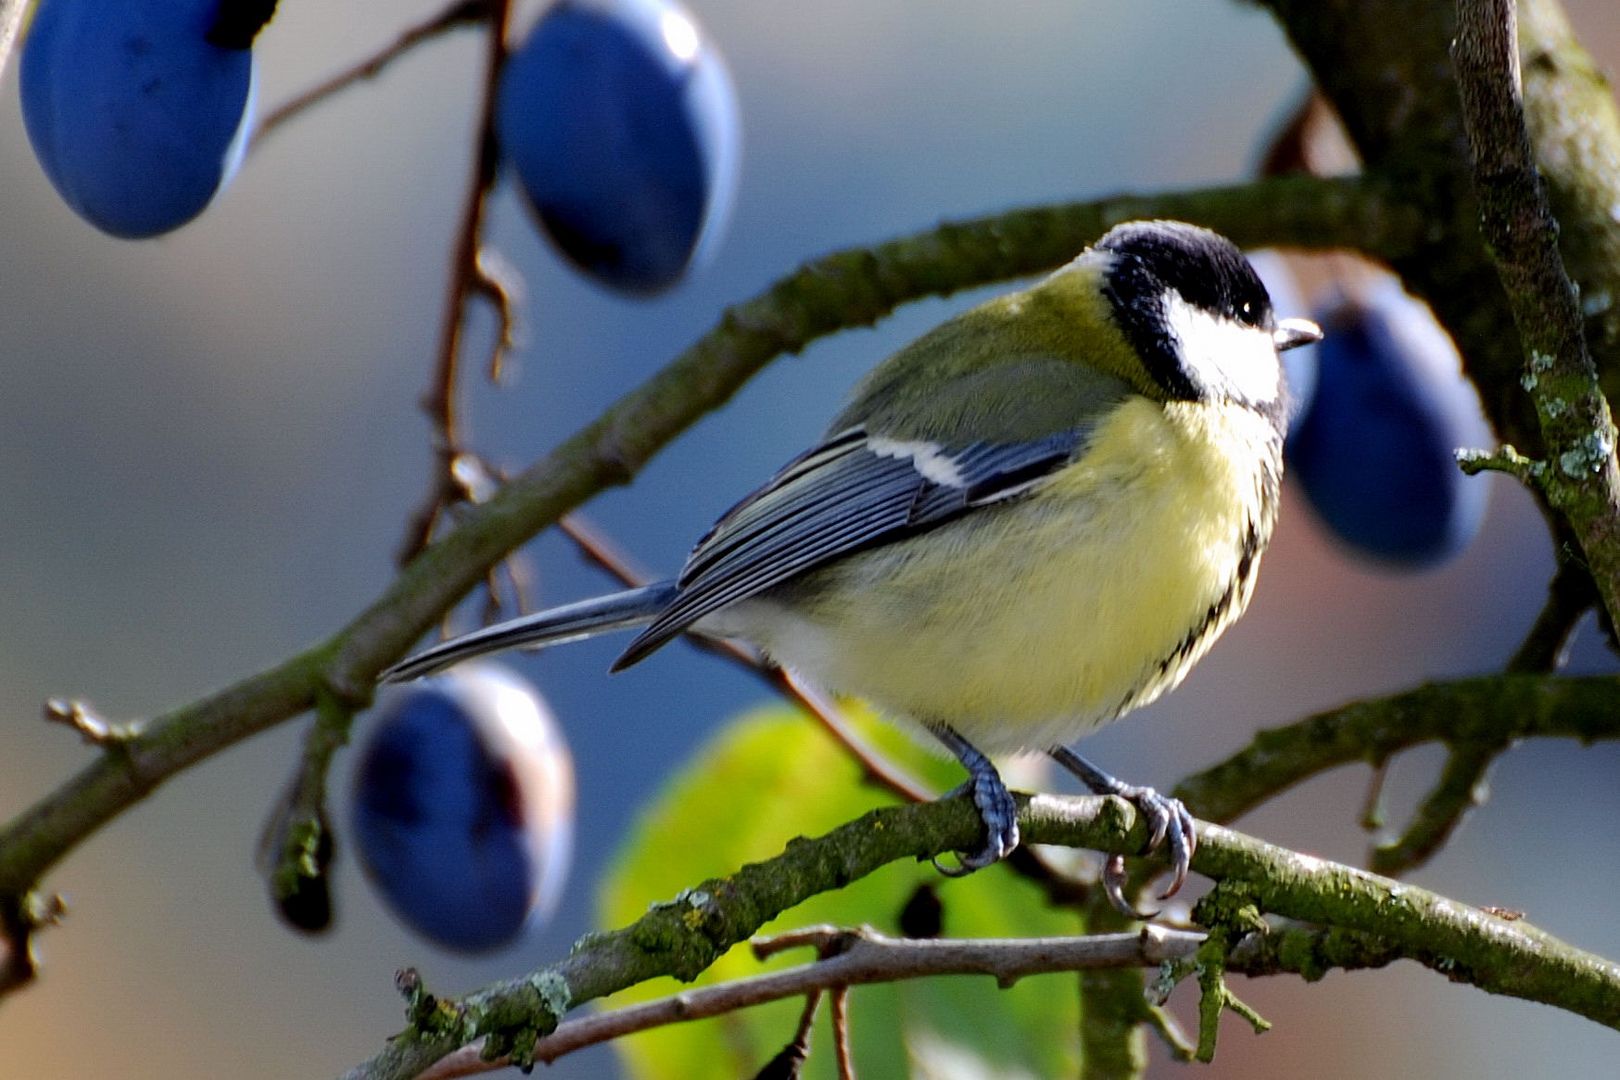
(211, 442)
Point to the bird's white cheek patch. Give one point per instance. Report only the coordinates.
(927, 458)
(1226, 357)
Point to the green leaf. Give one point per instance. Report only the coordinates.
(772, 775)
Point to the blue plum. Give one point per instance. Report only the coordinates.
(137, 119)
(1374, 452)
(462, 808)
(620, 120)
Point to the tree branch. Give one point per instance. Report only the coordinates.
(684, 936)
(1580, 476)
(841, 290)
(1484, 709)
(853, 958)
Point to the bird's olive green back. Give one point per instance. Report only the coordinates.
(1020, 366)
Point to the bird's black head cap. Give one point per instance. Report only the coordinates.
(1153, 260)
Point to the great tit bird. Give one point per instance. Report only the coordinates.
(1026, 523)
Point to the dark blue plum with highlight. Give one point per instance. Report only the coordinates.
(462, 808)
(136, 118)
(620, 121)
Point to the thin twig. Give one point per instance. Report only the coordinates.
(865, 957)
(1459, 789)
(467, 279)
(1570, 595)
(1163, 1023)
(499, 282)
(83, 719)
(1371, 817)
(458, 14)
(477, 481)
(789, 1061)
(1461, 785)
(839, 999)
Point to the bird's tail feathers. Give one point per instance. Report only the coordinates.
(570, 622)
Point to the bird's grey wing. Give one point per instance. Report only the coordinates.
(851, 492)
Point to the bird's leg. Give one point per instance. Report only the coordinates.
(995, 804)
(1167, 819)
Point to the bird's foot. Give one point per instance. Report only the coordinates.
(995, 804)
(1168, 821)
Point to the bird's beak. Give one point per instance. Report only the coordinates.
(1292, 333)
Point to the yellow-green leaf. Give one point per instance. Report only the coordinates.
(773, 775)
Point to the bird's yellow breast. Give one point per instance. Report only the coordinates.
(1095, 598)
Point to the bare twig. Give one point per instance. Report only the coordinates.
(499, 282)
(789, 1061)
(861, 956)
(839, 997)
(468, 278)
(1372, 803)
(458, 14)
(81, 718)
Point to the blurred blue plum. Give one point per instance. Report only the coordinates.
(135, 117)
(1374, 452)
(620, 120)
(463, 806)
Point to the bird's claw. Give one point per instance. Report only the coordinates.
(1168, 820)
(999, 813)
